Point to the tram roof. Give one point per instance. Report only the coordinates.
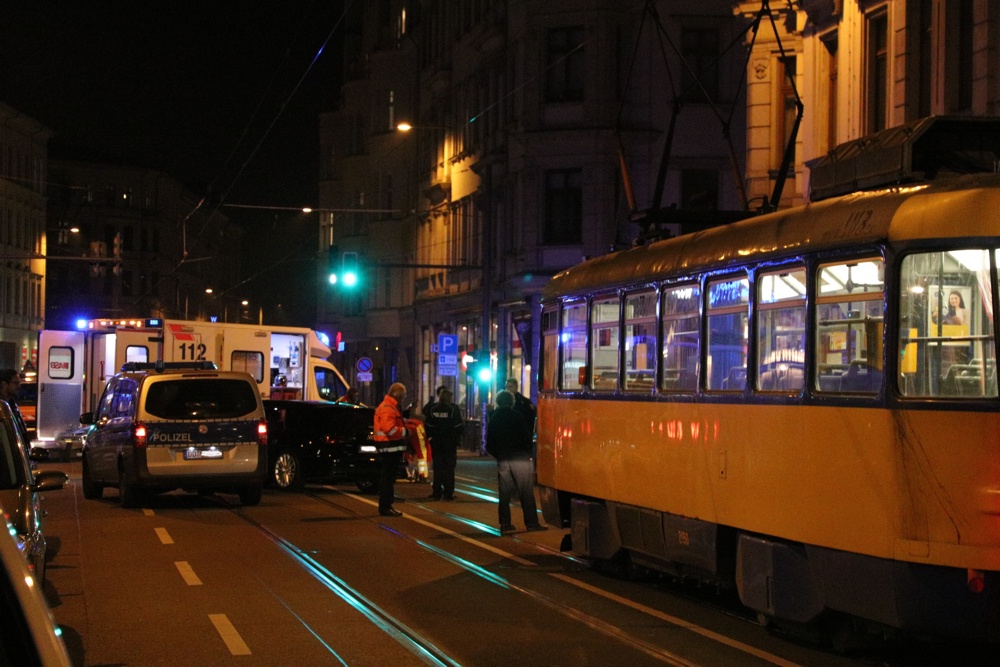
(967, 206)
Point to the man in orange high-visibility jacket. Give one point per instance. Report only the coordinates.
(391, 442)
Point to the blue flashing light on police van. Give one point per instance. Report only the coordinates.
(154, 322)
(81, 324)
(323, 338)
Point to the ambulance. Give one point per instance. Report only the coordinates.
(74, 366)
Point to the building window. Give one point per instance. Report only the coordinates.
(564, 66)
(700, 74)
(959, 23)
(832, 98)
(878, 72)
(563, 206)
(787, 111)
(391, 110)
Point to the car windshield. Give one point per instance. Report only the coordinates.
(188, 398)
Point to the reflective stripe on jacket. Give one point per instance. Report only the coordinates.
(390, 431)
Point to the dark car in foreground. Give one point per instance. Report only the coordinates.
(317, 441)
(20, 490)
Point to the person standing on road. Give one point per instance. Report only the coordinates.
(522, 405)
(444, 426)
(391, 442)
(509, 441)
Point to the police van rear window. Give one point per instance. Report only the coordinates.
(215, 398)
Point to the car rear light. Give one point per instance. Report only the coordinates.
(139, 435)
(262, 433)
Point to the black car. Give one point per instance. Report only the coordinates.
(317, 441)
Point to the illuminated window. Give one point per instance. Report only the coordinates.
(573, 343)
(604, 335)
(728, 303)
(781, 334)
(640, 341)
(946, 341)
(849, 326)
(681, 336)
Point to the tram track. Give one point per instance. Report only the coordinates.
(430, 653)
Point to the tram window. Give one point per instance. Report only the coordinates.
(781, 304)
(728, 302)
(681, 336)
(550, 348)
(640, 341)
(946, 340)
(849, 327)
(573, 343)
(604, 342)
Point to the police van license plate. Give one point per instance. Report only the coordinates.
(192, 453)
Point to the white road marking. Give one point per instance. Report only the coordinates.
(148, 512)
(229, 635)
(164, 536)
(187, 573)
(680, 622)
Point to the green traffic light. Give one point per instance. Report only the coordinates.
(484, 373)
(333, 278)
(350, 279)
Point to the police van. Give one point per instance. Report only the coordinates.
(165, 426)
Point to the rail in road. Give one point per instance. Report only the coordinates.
(319, 578)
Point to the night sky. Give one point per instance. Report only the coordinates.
(203, 91)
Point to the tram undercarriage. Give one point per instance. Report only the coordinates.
(854, 597)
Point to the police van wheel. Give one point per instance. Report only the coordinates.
(251, 495)
(91, 489)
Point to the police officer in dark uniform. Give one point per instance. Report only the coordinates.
(444, 426)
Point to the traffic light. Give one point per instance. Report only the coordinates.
(479, 370)
(349, 276)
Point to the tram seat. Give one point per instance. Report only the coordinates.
(966, 380)
(830, 381)
(860, 378)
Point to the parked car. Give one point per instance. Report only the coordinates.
(67, 446)
(317, 441)
(29, 635)
(160, 427)
(20, 489)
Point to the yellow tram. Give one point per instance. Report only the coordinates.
(802, 405)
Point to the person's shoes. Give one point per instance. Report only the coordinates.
(434, 496)
(507, 528)
(449, 497)
(390, 512)
(537, 527)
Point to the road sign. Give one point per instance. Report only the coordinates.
(365, 366)
(447, 344)
(448, 370)
(447, 360)
(364, 377)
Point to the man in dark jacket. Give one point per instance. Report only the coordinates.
(509, 441)
(522, 404)
(444, 427)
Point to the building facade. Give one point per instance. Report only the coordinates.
(129, 242)
(542, 133)
(23, 170)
